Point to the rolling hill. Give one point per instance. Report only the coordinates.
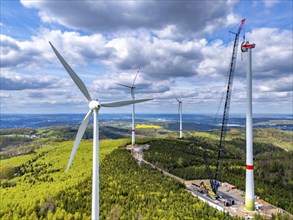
(34, 184)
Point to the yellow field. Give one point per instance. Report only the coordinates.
(143, 126)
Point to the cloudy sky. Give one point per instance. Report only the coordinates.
(183, 49)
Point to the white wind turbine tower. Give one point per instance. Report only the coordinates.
(180, 112)
(132, 89)
(94, 106)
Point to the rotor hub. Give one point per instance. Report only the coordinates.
(94, 105)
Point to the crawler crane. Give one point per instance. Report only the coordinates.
(214, 181)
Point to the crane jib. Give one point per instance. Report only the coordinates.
(214, 181)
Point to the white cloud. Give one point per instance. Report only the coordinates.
(272, 57)
(223, 22)
(284, 84)
(270, 3)
(113, 15)
(169, 32)
(37, 53)
(4, 95)
(16, 81)
(169, 49)
(159, 58)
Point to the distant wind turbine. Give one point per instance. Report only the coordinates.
(94, 106)
(132, 88)
(180, 112)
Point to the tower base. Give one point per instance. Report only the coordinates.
(249, 204)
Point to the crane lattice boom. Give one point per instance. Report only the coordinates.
(213, 182)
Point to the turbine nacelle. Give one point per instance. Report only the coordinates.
(179, 101)
(94, 105)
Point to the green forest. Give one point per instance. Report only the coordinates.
(34, 184)
(42, 190)
(273, 164)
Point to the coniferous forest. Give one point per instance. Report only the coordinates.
(273, 165)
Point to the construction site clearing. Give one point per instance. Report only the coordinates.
(231, 200)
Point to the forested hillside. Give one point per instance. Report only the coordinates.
(35, 186)
(129, 191)
(273, 165)
(31, 182)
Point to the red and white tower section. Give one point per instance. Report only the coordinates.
(249, 184)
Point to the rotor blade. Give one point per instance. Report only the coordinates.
(123, 85)
(179, 108)
(177, 100)
(123, 103)
(135, 77)
(78, 137)
(72, 74)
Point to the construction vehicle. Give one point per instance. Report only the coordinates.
(214, 183)
(228, 202)
(206, 189)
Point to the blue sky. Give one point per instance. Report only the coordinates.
(182, 47)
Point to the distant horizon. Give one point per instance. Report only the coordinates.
(231, 114)
(190, 121)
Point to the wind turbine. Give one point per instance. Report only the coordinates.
(94, 106)
(180, 112)
(132, 88)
